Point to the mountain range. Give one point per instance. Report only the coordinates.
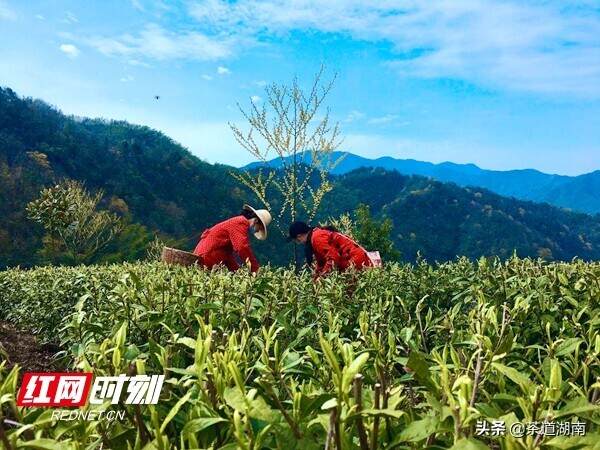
(578, 193)
(160, 188)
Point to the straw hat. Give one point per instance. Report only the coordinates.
(265, 219)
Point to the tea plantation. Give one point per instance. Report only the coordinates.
(406, 357)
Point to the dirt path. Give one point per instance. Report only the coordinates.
(24, 349)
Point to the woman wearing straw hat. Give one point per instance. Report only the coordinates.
(221, 243)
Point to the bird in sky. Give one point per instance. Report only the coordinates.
(157, 97)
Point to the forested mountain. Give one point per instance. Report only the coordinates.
(146, 176)
(159, 187)
(580, 193)
(442, 220)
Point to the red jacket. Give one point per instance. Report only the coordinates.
(334, 250)
(220, 243)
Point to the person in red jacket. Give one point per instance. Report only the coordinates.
(221, 243)
(329, 248)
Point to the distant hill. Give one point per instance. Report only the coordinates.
(443, 220)
(160, 187)
(580, 193)
(145, 175)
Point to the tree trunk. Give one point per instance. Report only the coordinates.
(297, 265)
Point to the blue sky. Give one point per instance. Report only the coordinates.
(503, 84)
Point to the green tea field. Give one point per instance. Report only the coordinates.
(407, 357)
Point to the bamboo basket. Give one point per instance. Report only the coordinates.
(179, 257)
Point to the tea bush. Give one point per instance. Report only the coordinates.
(406, 357)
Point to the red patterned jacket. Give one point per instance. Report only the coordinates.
(220, 243)
(334, 250)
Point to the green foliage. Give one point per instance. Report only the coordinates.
(442, 221)
(154, 250)
(154, 182)
(147, 177)
(76, 229)
(372, 234)
(412, 360)
(131, 244)
(344, 224)
(375, 234)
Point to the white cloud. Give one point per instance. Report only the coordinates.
(353, 116)
(256, 99)
(388, 118)
(207, 77)
(544, 46)
(40, 17)
(127, 79)
(137, 62)
(223, 70)
(137, 5)
(70, 18)
(70, 50)
(154, 42)
(260, 83)
(6, 13)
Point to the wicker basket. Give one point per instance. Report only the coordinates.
(179, 257)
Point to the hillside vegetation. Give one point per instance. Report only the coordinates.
(159, 187)
(146, 176)
(443, 220)
(408, 357)
(579, 193)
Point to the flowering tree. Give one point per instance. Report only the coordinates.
(291, 127)
(76, 230)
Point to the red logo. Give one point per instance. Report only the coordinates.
(54, 389)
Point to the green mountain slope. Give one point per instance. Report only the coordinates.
(443, 220)
(144, 174)
(155, 182)
(580, 193)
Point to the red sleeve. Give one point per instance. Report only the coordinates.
(241, 244)
(322, 245)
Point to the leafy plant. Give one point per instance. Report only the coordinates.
(413, 360)
(344, 224)
(370, 233)
(76, 230)
(375, 234)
